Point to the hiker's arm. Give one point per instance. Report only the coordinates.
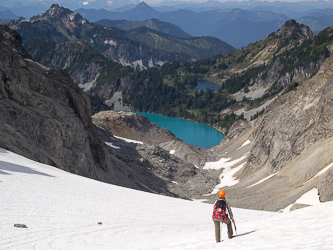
(231, 215)
(230, 212)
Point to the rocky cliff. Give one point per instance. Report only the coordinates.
(295, 135)
(44, 116)
(291, 147)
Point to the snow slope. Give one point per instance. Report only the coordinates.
(62, 211)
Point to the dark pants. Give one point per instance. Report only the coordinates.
(218, 232)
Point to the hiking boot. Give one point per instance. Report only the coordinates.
(230, 236)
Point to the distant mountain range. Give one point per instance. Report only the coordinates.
(288, 8)
(6, 16)
(153, 24)
(98, 4)
(237, 23)
(234, 26)
(238, 27)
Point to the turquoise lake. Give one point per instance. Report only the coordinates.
(190, 132)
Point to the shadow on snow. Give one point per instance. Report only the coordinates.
(10, 167)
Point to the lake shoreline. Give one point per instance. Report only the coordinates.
(189, 131)
(204, 85)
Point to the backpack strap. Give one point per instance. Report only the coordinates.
(224, 218)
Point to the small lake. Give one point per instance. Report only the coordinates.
(204, 85)
(190, 132)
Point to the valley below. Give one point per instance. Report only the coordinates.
(274, 104)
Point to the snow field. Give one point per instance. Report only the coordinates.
(62, 211)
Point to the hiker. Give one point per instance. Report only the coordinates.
(221, 206)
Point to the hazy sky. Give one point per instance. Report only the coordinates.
(202, 1)
(159, 1)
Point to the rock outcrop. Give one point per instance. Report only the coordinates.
(132, 126)
(290, 29)
(58, 13)
(159, 154)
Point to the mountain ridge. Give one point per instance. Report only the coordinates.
(154, 24)
(64, 24)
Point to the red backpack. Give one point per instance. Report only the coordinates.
(219, 210)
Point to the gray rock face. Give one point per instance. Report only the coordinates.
(291, 29)
(108, 90)
(282, 134)
(69, 55)
(293, 139)
(44, 116)
(299, 74)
